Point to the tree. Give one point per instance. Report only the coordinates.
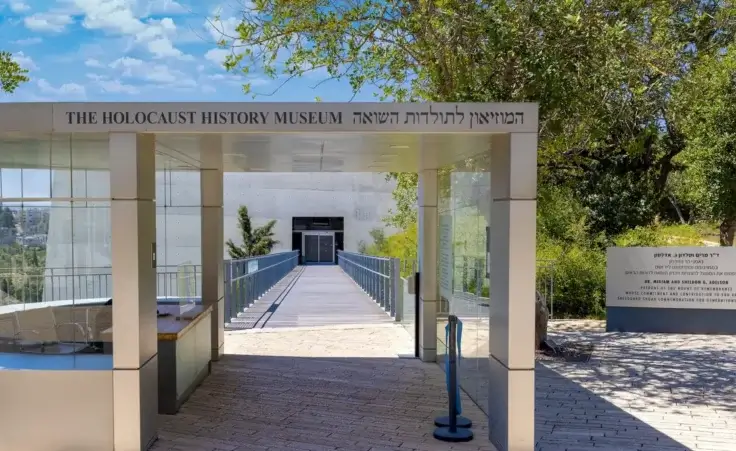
(7, 218)
(258, 241)
(11, 73)
(705, 104)
(405, 197)
(602, 71)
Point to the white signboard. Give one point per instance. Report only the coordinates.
(671, 277)
(252, 266)
(445, 256)
(304, 117)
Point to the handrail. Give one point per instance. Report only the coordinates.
(379, 277)
(57, 284)
(246, 280)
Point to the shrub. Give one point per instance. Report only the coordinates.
(579, 278)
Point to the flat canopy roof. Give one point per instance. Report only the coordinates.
(279, 136)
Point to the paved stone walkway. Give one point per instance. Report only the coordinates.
(341, 386)
(322, 388)
(337, 384)
(661, 392)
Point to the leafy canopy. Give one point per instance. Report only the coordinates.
(706, 105)
(258, 241)
(11, 74)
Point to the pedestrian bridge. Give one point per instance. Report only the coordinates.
(283, 294)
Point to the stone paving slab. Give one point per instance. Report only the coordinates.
(638, 392)
(338, 388)
(342, 387)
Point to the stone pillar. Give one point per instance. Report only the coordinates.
(427, 256)
(513, 268)
(211, 188)
(135, 340)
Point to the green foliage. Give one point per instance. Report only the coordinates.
(560, 216)
(573, 261)
(405, 196)
(706, 107)
(402, 245)
(21, 272)
(578, 274)
(11, 74)
(258, 241)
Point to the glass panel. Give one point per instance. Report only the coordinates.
(178, 233)
(55, 278)
(61, 166)
(326, 248)
(311, 248)
(90, 166)
(55, 250)
(464, 206)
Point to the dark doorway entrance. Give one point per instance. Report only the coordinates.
(318, 238)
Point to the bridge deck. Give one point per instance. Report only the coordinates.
(323, 296)
(312, 296)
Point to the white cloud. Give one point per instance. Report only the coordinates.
(122, 17)
(49, 22)
(217, 56)
(162, 7)
(159, 74)
(127, 65)
(26, 62)
(19, 7)
(207, 89)
(226, 78)
(237, 80)
(93, 63)
(221, 29)
(116, 86)
(67, 89)
(28, 41)
(164, 48)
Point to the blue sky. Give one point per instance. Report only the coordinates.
(136, 50)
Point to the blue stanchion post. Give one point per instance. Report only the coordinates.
(453, 427)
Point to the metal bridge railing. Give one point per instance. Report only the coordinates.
(379, 277)
(26, 286)
(248, 279)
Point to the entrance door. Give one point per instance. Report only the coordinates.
(319, 247)
(327, 248)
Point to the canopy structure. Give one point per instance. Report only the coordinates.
(105, 156)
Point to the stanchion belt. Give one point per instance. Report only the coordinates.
(447, 362)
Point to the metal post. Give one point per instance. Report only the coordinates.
(416, 314)
(228, 291)
(396, 291)
(453, 428)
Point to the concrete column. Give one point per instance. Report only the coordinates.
(513, 268)
(211, 187)
(427, 256)
(135, 340)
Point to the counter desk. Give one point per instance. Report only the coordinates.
(184, 354)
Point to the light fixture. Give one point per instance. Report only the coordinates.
(398, 146)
